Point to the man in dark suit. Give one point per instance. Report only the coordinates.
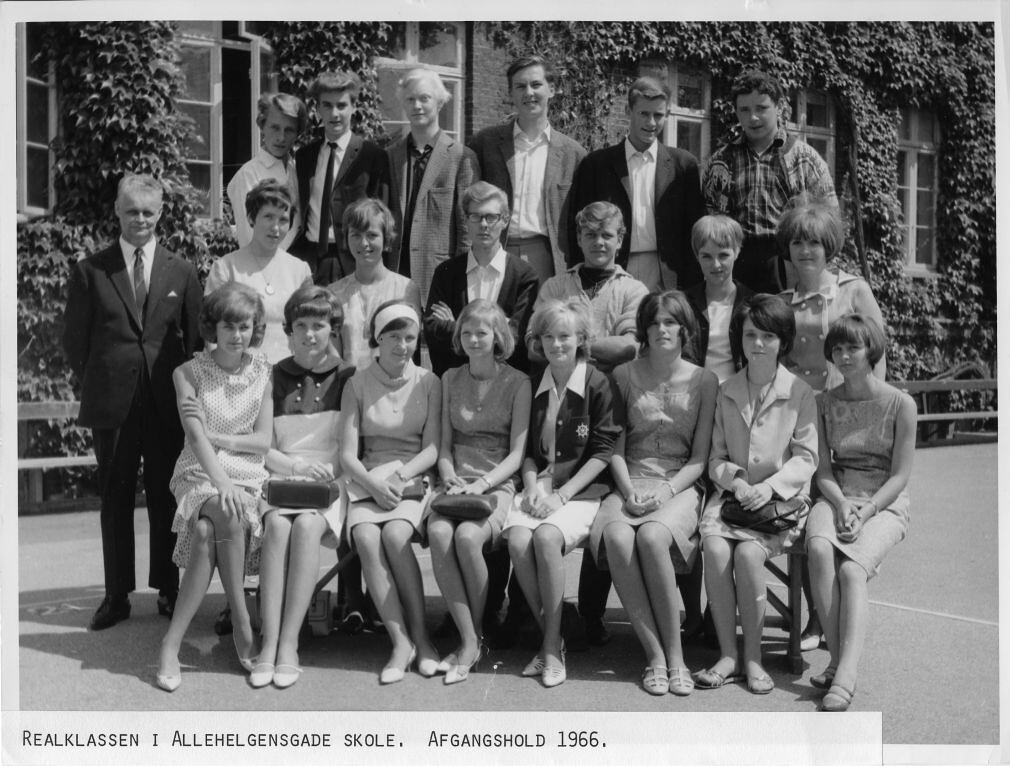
(333, 172)
(535, 165)
(487, 271)
(132, 317)
(656, 187)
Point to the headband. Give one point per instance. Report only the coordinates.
(388, 314)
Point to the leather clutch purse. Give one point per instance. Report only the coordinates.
(301, 493)
(771, 518)
(464, 507)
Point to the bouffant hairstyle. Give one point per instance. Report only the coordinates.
(721, 230)
(768, 313)
(812, 220)
(315, 302)
(232, 302)
(596, 215)
(647, 88)
(361, 214)
(399, 323)
(269, 191)
(857, 328)
(286, 104)
(527, 61)
(571, 311)
(676, 303)
(336, 82)
(481, 192)
(756, 80)
(424, 75)
(491, 314)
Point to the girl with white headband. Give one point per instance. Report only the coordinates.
(394, 406)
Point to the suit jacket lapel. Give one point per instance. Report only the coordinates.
(664, 171)
(439, 157)
(115, 267)
(555, 160)
(353, 149)
(506, 296)
(619, 164)
(159, 280)
(507, 150)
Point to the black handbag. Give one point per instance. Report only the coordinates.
(772, 518)
(301, 493)
(464, 507)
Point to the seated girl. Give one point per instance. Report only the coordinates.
(867, 440)
(389, 424)
(485, 416)
(646, 533)
(574, 423)
(764, 447)
(307, 388)
(227, 413)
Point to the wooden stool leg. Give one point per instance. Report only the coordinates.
(795, 564)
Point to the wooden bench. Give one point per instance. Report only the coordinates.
(937, 425)
(29, 411)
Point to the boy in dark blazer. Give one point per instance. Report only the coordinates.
(131, 318)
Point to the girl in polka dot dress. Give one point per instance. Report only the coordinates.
(224, 398)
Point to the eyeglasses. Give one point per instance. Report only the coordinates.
(489, 218)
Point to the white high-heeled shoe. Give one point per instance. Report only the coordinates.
(390, 675)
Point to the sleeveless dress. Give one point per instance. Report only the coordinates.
(306, 410)
(860, 435)
(231, 405)
(482, 431)
(360, 302)
(658, 440)
(392, 415)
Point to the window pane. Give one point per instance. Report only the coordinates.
(34, 44)
(266, 71)
(197, 28)
(390, 106)
(903, 203)
(37, 113)
(820, 144)
(905, 126)
(924, 247)
(438, 43)
(817, 110)
(927, 171)
(689, 92)
(924, 125)
(447, 117)
(398, 40)
(195, 65)
(924, 208)
(38, 177)
(689, 136)
(200, 146)
(199, 176)
(902, 168)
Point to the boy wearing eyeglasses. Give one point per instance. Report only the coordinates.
(487, 272)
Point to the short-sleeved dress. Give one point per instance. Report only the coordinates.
(392, 415)
(231, 405)
(658, 441)
(306, 410)
(482, 430)
(360, 302)
(860, 435)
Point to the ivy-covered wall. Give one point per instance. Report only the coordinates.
(871, 70)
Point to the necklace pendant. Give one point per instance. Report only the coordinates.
(269, 289)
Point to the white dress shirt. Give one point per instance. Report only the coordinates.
(642, 174)
(528, 166)
(264, 165)
(485, 281)
(129, 252)
(316, 185)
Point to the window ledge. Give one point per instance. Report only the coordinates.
(921, 272)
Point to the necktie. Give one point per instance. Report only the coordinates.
(139, 283)
(324, 203)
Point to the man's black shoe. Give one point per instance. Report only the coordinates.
(166, 602)
(597, 633)
(573, 629)
(110, 611)
(222, 625)
(447, 628)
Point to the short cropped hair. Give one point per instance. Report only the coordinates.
(361, 214)
(482, 191)
(142, 182)
(812, 220)
(647, 88)
(524, 62)
(269, 191)
(232, 302)
(399, 323)
(753, 80)
(721, 230)
(857, 328)
(552, 313)
(315, 302)
(768, 313)
(676, 303)
(335, 82)
(423, 75)
(596, 215)
(489, 312)
(286, 104)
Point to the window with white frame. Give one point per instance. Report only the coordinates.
(226, 66)
(813, 119)
(918, 138)
(36, 121)
(437, 45)
(689, 111)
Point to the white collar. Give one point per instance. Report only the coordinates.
(497, 261)
(829, 292)
(576, 381)
(341, 142)
(266, 159)
(545, 133)
(630, 150)
(129, 250)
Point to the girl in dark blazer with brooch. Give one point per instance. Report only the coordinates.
(574, 423)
